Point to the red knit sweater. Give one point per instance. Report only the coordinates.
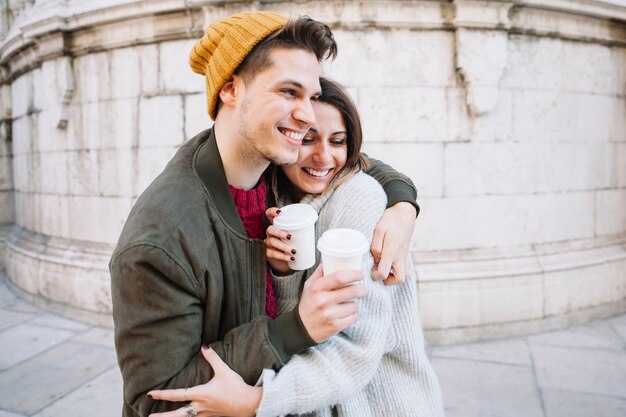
(251, 206)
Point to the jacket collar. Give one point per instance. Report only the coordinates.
(209, 167)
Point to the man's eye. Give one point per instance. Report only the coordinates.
(289, 92)
(307, 139)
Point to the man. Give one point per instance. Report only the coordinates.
(189, 268)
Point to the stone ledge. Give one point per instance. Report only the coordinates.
(66, 276)
(451, 336)
(481, 294)
(82, 27)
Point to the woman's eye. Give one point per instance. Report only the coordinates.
(338, 142)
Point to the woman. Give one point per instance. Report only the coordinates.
(376, 367)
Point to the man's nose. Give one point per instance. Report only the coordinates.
(305, 113)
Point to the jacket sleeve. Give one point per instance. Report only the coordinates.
(397, 186)
(338, 368)
(159, 317)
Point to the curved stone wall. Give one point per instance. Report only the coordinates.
(510, 117)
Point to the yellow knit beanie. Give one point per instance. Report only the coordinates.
(224, 46)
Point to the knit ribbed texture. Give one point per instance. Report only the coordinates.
(251, 206)
(376, 367)
(224, 46)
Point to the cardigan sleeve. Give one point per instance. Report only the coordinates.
(334, 370)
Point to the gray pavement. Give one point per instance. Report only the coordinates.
(52, 367)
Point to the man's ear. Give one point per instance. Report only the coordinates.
(231, 91)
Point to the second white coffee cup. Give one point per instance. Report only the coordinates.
(342, 249)
(299, 220)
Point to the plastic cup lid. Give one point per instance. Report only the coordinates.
(295, 216)
(343, 243)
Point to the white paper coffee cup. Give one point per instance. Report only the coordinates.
(342, 249)
(299, 220)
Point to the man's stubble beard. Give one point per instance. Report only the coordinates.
(249, 150)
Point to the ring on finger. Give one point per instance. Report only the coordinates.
(190, 411)
(186, 394)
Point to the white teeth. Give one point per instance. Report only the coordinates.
(293, 135)
(317, 173)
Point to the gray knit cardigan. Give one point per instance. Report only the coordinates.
(376, 367)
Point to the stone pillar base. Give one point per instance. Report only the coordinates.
(475, 295)
(65, 276)
(5, 230)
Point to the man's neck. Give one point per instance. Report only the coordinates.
(242, 165)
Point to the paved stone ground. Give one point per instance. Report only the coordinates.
(54, 367)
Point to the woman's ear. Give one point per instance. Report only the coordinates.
(231, 91)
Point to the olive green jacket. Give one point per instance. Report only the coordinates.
(184, 273)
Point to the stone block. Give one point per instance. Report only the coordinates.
(423, 163)
(85, 288)
(602, 283)
(581, 166)
(175, 74)
(533, 63)
(51, 172)
(105, 125)
(93, 77)
(6, 172)
(512, 352)
(610, 212)
(84, 169)
(589, 371)
(110, 212)
(495, 168)
(52, 215)
(117, 172)
(125, 67)
(51, 138)
(420, 58)
(457, 303)
(103, 394)
(22, 135)
(97, 336)
(151, 163)
(47, 84)
(403, 114)
(22, 172)
(74, 365)
(196, 117)
(149, 73)
(620, 164)
(22, 95)
(161, 121)
(7, 207)
(478, 389)
(24, 341)
(618, 77)
(495, 125)
(559, 403)
(560, 117)
(25, 210)
(11, 318)
(459, 121)
(494, 221)
(587, 67)
(618, 119)
(596, 335)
